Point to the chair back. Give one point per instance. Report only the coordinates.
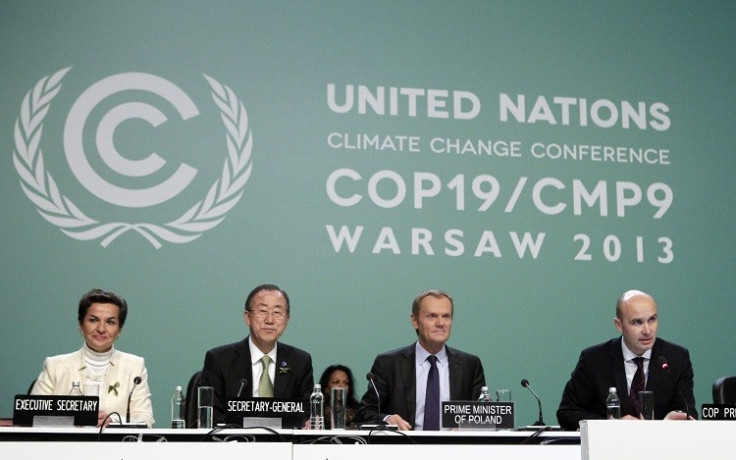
(190, 404)
(724, 390)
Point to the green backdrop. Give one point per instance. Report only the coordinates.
(534, 159)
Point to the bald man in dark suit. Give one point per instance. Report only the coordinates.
(612, 364)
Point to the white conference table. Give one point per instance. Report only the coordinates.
(80, 444)
(657, 439)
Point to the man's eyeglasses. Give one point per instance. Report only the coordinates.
(262, 313)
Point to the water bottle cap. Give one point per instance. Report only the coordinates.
(611, 389)
(178, 388)
(317, 386)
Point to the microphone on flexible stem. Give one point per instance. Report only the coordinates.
(136, 381)
(370, 377)
(243, 383)
(666, 367)
(540, 422)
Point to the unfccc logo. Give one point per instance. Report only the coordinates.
(39, 186)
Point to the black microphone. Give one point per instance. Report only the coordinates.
(136, 381)
(666, 367)
(540, 422)
(370, 378)
(243, 383)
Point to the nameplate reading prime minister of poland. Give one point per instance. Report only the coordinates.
(37, 410)
(478, 415)
(269, 412)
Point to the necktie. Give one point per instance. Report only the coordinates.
(637, 385)
(432, 399)
(265, 387)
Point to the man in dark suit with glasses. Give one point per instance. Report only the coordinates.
(259, 365)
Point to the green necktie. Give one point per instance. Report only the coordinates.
(265, 387)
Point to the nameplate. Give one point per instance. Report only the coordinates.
(37, 410)
(270, 412)
(718, 412)
(486, 415)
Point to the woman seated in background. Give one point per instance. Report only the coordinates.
(339, 376)
(100, 369)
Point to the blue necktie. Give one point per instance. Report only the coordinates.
(432, 399)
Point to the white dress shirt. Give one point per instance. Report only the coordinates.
(422, 371)
(630, 365)
(257, 367)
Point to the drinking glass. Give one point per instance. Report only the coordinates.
(337, 409)
(503, 395)
(205, 402)
(646, 400)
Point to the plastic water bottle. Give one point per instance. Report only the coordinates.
(177, 409)
(317, 409)
(76, 389)
(484, 394)
(613, 404)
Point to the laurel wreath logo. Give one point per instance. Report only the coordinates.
(39, 186)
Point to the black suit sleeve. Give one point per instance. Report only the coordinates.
(684, 379)
(479, 379)
(369, 410)
(212, 375)
(579, 399)
(300, 382)
(304, 382)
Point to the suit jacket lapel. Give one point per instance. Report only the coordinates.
(244, 367)
(654, 377)
(112, 378)
(409, 378)
(455, 368)
(80, 367)
(616, 356)
(114, 370)
(282, 381)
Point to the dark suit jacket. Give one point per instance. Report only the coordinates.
(225, 366)
(602, 366)
(395, 378)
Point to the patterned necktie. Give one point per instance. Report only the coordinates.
(432, 399)
(265, 387)
(637, 385)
